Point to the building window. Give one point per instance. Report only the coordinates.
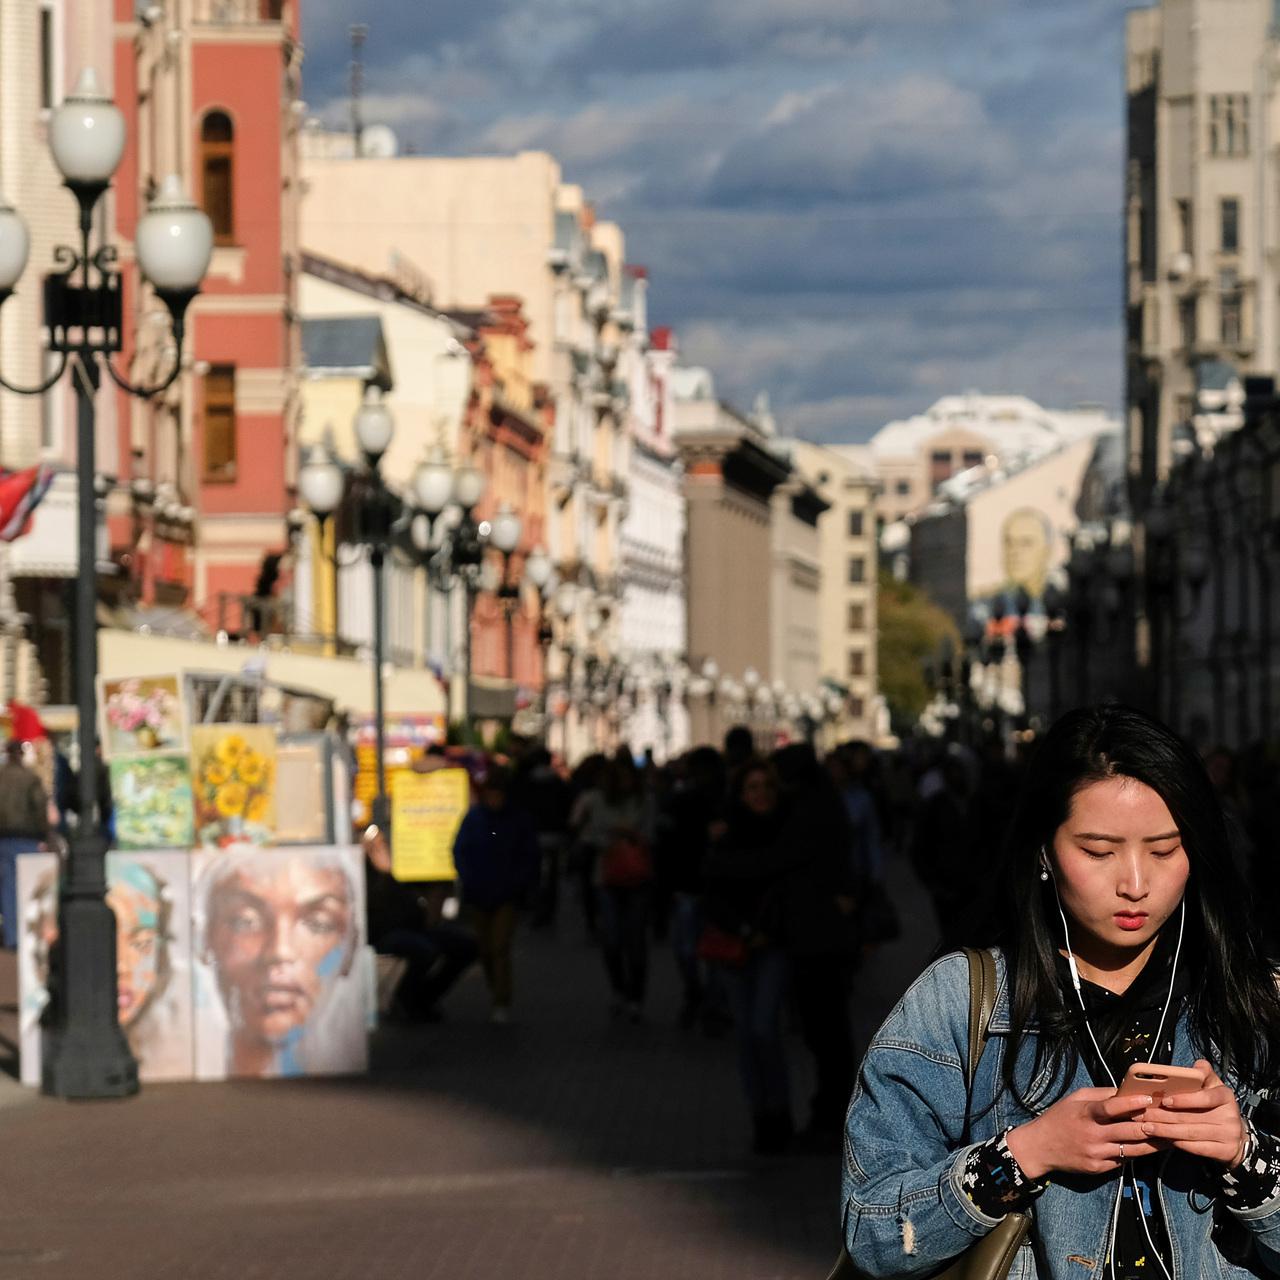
(903, 488)
(220, 423)
(1230, 225)
(857, 570)
(857, 662)
(855, 524)
(1187, 321)
(940, 466)
(48, 52)
(1186, 226)
(1229, 124)
(1231, 308)
(856, 706)
(857, 617)
(972, 458)
(217, 170)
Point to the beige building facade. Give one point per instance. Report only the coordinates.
(1202, 233)
(844, 477)
(463, 230)
(987, 537)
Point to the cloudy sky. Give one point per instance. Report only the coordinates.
(856, 205)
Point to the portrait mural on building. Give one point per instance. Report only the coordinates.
(1026, 542)
(150, 896)
(281, 979)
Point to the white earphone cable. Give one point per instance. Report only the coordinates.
(1126, 1169)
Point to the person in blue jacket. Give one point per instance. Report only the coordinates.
(1122, 934)
(497, 858)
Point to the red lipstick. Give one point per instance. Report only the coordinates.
(1131, 919)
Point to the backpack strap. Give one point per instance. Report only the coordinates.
(982, 1003)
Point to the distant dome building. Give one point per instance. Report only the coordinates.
(917, 456)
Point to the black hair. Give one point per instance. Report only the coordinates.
(739, 746)
(1234, 1008)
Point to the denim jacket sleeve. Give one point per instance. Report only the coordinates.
(1263, 1224)
(905, 1209)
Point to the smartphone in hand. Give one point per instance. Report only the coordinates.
(1159, 1080)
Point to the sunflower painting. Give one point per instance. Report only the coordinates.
(234, 776)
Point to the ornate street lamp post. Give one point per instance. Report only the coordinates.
(85, 1053)
(376, 511)
(504, 533)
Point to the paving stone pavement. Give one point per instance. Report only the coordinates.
(561, 1147)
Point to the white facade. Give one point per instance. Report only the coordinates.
(654, 622)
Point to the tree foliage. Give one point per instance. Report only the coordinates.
(910, 635)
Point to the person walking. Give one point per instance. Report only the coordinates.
(746, 915)
(24, 827)
(820, 931)
(1121, 935)
(539, 789)
(584, 786)
(696, 803)
(497, 859)
(618, 822)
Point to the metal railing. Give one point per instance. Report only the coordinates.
(233, 12)
(270, 620)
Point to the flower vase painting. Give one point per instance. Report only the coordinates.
(234, 777)
(153, 802)
(141, 713)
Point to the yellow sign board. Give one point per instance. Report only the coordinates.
(426, 811)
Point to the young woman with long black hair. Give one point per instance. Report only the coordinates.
(1122, 934)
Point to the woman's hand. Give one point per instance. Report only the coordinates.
(1088, 1131)
(1205, 1123)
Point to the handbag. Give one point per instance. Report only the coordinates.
(991, 1257)
(719, 946)
(626, 864)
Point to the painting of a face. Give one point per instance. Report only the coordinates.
(1026, 551)
(278, 933)
(134, 896)
(150, 897)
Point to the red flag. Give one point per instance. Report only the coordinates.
(20, 494)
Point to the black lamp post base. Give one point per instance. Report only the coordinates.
(85, 1053)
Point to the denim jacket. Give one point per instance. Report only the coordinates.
(905, 1211)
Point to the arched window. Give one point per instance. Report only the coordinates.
(217, 172)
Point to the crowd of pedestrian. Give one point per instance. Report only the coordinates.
(758, 876)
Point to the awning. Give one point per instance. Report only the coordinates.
(347, 681)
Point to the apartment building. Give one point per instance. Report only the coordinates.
(469, 228)
(844, 477)
(1201, 221)
(207, 470)
(913, 457)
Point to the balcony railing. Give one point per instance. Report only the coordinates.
(226, 13)
(269, 620)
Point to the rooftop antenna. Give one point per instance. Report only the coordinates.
(359, 33)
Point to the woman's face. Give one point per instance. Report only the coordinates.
(279, 935)
(1120, 867)
(759, 794)
(138, 944)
